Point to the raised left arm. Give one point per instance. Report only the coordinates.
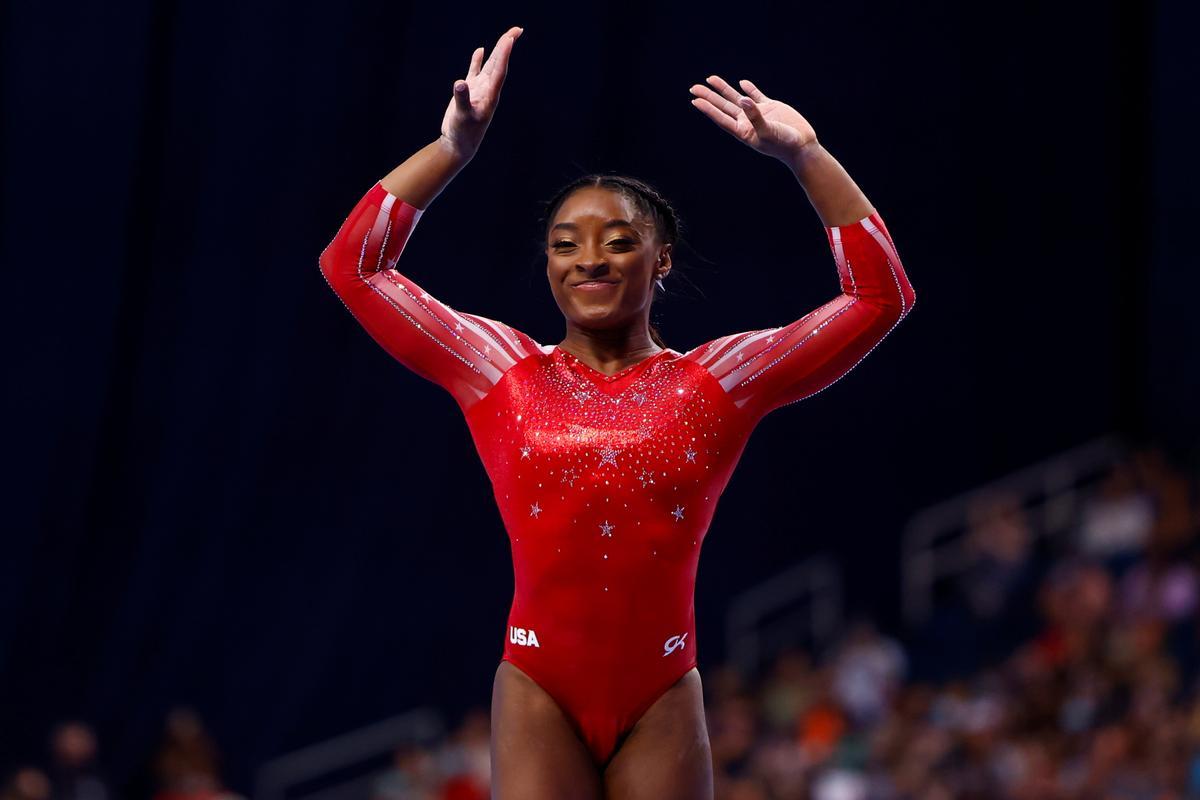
(762, 370)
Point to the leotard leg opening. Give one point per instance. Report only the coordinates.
(602, 720)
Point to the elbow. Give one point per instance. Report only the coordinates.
(890, 310)
(325, 264)
(328, 262)
(906, 299)
(332, 265)
(333, 271)
(901, 297)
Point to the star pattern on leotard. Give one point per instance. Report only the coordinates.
(678, 513)
(608, 456)
(534, 510)
(569, 475)
(647, 477)
(606, 529)
(582, 397)
(525, 451)
(690, 454)
(639, 397)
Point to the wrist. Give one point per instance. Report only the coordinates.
(801, 159)
(457, 153)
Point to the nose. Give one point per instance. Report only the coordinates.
(592, 263)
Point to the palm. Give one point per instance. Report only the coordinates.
(781, 129)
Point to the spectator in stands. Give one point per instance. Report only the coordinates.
(1076, 599)
(1001, 578)
(187, 764)
(788, 691)
(465, 760)
(73, 774)
(1176, 530)
(1159, 589)
(999, 541)
(27, 783)
(1115, 521)
(413, 776)
(868, 668)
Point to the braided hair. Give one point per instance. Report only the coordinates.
(647, 200)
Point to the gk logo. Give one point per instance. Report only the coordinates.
(673, 644)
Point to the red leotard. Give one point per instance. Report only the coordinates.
(607, 484)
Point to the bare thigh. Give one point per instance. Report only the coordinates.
(536, 754)
(667, 754)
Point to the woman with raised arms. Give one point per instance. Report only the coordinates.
(608, 450)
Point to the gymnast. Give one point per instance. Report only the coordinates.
(608, 451)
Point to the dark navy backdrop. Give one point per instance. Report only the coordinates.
(223, 492)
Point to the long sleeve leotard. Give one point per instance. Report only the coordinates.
(606, 484)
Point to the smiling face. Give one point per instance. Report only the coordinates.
(602, 257)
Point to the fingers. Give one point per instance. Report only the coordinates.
(715, 101)
(462, 96)
(727, 91)
(752, 90)
(753, 113)
(723, 106)
(476, 62)
(716, 115)
(498, 60)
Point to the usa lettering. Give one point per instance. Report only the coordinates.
(523, 637)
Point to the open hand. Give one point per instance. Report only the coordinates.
(769, 126)
(475, 96)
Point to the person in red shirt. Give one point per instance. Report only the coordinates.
(608, 451)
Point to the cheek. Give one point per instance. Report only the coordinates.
(560, 292)
(640, 277)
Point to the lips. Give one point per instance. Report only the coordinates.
(594, 286)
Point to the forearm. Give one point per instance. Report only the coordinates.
(833, 193)
(425, 174)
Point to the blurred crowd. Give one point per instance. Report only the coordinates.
(1065, 664)
(1056, 665)
(185, 766)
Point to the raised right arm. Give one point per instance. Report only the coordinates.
(464, 353)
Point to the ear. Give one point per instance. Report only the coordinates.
(662, 267)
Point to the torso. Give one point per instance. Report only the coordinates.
(606, 485)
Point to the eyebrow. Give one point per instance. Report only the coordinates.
(612, 223)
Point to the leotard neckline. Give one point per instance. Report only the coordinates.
(620, 373)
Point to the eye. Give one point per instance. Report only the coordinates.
(569, 243)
